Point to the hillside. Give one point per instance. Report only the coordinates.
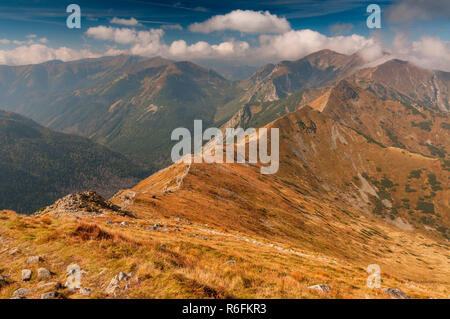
(128, 103)
(37, 165)
(336, 205)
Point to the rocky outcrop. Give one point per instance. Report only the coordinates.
(395, 293)
(82, 205)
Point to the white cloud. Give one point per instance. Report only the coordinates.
(244, 21)
(5, 41)
(38, 53)
(31, 36)
(414, 10)
(124, 35)
(294, 45)
(43, 40)
(132, 22)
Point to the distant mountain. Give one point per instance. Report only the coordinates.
(128, 103)
(231, 70)
(319, 69)
(421, 130)
(277, 89)
(38, 165)
(406, 82)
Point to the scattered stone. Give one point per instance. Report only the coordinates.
(109, 222)
(114, 284)
(230, 262)
(43, 274)
(34, 259)
(14, 251)
(86, 291)
(26, 274)
(321, 288)
(124, 224)
(21, 293)
(3, 250)
(395, 293)
(50, 295)
(163, 247)
(154, 196)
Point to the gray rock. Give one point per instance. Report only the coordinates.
(114, 284)
(14, 251)
(21, 293)
(230, 262)
(321, 288)
(26, 274)
(50, 295)
(395, 293)
(86, 291)
(124, 224)
(47, 284)
(34, 260)
(43, 274)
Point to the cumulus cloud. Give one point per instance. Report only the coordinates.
(244, 21)
(428, 52)
(414, 10)
(38, 53)
(5, 41)
(132, 22)
(296, 44)
(124, 35)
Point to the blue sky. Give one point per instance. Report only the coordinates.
(43, 22)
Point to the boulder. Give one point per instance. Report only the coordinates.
(26, 274)
(43, 274)
(395, 293)
(86, 291)
(34, 260)
(50, 295)
(321, 288)
(21, 293)
(14, 251)
(114, 284)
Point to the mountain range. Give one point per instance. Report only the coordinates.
(363, 177)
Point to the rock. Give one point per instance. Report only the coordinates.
(46, 284)
(26, 274)
(395, 293)
(163, 247)
(109, 222)
(230, 262)
(321, 288)
(43, 274)
(124, 224)
(50, 295)
(21, 293)
(82, 205)
(86, 291)
(14, 251)
(114, 284)
(34, 259)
